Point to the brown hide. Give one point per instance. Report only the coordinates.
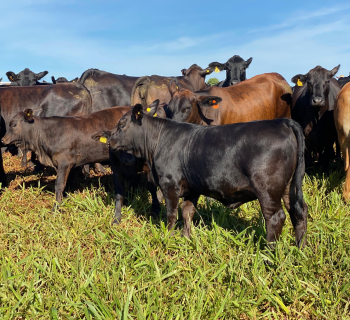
(342, 123)
(149, 88)
(263, 97)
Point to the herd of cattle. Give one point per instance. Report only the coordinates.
(188, 138)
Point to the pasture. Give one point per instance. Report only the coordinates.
(74, 264)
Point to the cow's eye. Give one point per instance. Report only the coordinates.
(13, 125)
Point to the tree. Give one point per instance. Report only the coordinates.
(213, 81)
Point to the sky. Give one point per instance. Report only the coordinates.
(136, 38)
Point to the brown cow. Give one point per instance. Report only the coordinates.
(263, 97)
(342, 123)
(148, 89)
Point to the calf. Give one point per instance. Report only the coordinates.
(63, 142)
(312, 107)
(227, 163)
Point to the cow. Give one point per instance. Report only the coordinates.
(227, 163)
(235, 70)
(263, 97)
(149, 88)
(312, 107)
(3, 179)
(62, 80)
(342, 124)
(66, 99)
(107, 89)
(343, 80)
(25, 78)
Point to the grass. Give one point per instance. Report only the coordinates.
(76, 265)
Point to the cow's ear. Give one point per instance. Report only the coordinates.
(183, 72)
(151, 110)
(299, 78)
(137, 114)
(209, 101)
(248, 62)
(206, 71)
(75, 80)
(101, 136)
(40, 75)
(12, 76)
(334, 71)
(217, 67)
(28, 115)
(173, 87)
(161, 111)
(53, 80)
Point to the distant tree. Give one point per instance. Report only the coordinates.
(213, 81)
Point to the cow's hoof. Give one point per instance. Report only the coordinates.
(116, 220)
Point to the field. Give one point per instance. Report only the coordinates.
(74, 264)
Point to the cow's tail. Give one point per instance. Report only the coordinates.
(86, 74)
(297, 211)
(140, 90)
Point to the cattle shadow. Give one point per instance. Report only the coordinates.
(208, 214)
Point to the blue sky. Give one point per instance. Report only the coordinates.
(162, 37)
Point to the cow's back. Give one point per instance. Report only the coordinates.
(263, 97)
(108, 89)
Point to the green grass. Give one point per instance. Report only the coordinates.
(76, 265)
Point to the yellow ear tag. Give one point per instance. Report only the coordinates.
(177, 88)
(299, 83)
(139, 112)
(28, 114)
(148, 109)
(103, 139)
(155, 115)
(207, 71)
(217, 69)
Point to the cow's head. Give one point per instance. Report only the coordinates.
(25, 77)
(62, 80)
(186, 106)
(317, 81)
(17, 128)
(131, 119)
(196, 75)
(235, 69)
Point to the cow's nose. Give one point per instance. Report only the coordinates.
(2, 141)
(234, 82)
(317, 100)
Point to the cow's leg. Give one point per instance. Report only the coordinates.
(3, 179)
(274, 218)
(60, 183)
(86, 169)
(188, 211)
(171, 201)
(155, 203)
(24, 159)
(346, 192)
(119, 187)
(297, 209)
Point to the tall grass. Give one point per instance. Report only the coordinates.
(74, 264)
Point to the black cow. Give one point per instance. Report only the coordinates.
(227, 163)
(62, 80)
(343, 80)
(25, 77)
(107, 89)
(3, 180)
(66, 99)
(235, 70)
(312, 107)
